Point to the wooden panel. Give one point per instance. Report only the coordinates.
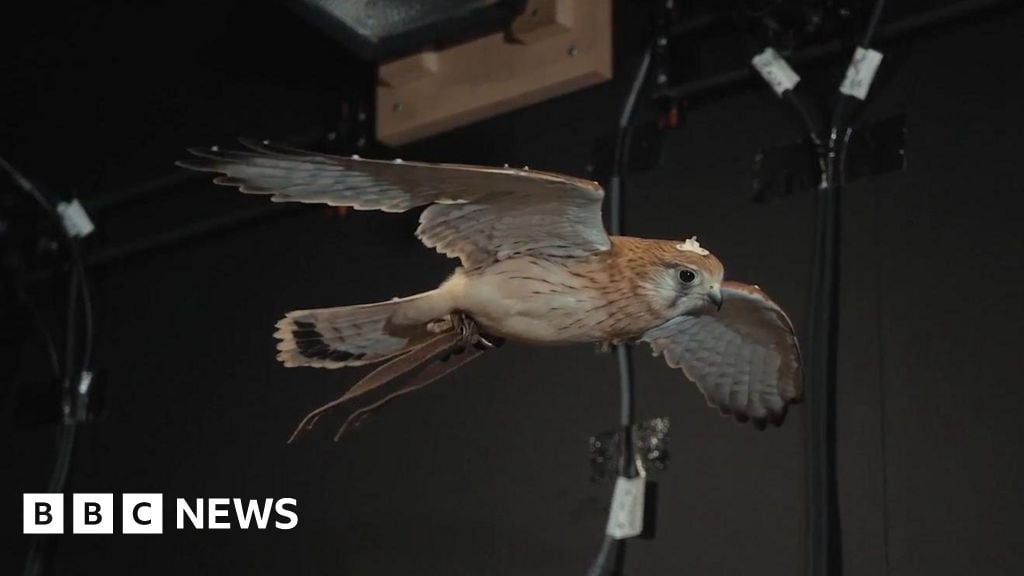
(555, 47)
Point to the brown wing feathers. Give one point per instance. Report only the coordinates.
(478, 214)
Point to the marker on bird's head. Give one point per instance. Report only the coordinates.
(691, 245)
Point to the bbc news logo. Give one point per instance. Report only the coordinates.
(143, 513)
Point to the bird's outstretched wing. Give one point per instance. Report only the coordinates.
(744, 358)
(475, 213)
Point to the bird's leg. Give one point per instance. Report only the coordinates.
(470, 334)
(429, 373)
(468, 329)
(413, 370)
(388, 372)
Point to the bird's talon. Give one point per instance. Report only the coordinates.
(469, 333)
(488, 342)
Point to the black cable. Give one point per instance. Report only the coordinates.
(869, 30)
(69, 398)
(88, 329)
(824, 542)
(823, 521)
(616, 183)
(828, 545)
(74, 255)
(26, 185)
(75, 365)
(824, 527)
(611, 555)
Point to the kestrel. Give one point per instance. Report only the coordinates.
(536, 267)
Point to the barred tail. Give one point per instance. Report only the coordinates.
(355, 335)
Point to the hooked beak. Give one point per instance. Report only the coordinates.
(715, 296)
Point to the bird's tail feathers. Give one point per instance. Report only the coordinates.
(356, 335)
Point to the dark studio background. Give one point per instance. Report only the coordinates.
(486, 472)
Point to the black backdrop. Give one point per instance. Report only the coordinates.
(486, 472)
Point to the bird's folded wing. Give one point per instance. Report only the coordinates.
(744, 358)
(475, 213)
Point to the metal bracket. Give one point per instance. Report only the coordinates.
(651, 442)
(875, 148)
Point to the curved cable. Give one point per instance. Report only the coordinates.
(610, 556)
(75, 364)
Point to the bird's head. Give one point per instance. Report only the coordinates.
(684, 278)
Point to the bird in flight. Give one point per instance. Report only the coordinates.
(537, 267)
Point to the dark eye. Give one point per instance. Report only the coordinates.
(687, 276)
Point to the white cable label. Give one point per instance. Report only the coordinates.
(626, 518)
(775, 70)
(861, 72)
(76, 220)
